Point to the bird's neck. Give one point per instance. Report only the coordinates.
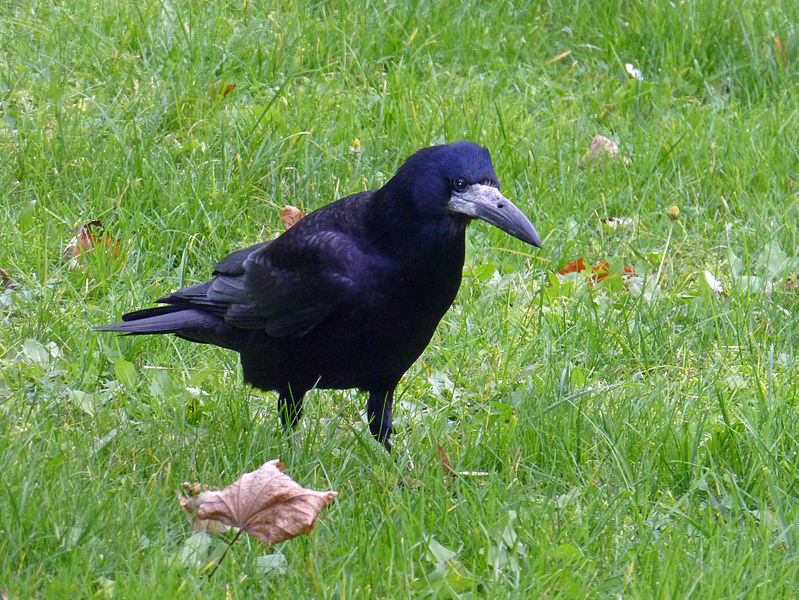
(400, 229)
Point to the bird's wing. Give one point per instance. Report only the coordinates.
(285, 287)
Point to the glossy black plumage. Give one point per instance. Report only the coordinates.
(351, 295)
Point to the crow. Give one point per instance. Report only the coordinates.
(350, 296)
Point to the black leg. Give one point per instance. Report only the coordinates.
(378, 410)
(289, 405)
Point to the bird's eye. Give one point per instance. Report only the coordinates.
(459, 184)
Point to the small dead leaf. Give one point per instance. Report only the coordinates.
(220, 88)
(575, 266)
(715, 285)
(290, 215)
(781, 51)
(599, 272)
(452, 472)
(87, 237)
(602, 270)
(267, 504)
(602, 146)
(6, 281)
(616, 223)
(442, 455)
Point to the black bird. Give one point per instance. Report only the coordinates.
(350, 296)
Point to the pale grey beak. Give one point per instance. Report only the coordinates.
(487, 203)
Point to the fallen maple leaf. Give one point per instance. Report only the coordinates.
(89, 236)
(290, 215)
(602, 146)
(267, 504)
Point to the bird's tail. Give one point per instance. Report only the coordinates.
(161, 319)
(187, 322)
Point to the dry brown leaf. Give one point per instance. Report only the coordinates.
(220, 88)
(6, 281)
(290, 215)
(602, 146)
(782, 51)
(452, 472)
(89, 236)
(602, 270)
(267, 504)
(442, 455)
(575, 266)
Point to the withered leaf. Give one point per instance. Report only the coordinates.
(575, 266)
(267, 504)
(781, 51)
(602, 270)
(442, 454)
(599, 272)
(89, 236)
(6, 281)
(290, 215)
(220, 88)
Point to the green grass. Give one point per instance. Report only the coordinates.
(641, 440)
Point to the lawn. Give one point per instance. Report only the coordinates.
(636, 434)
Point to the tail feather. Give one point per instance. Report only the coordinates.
(163, 319)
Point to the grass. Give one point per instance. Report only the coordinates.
(640, 439)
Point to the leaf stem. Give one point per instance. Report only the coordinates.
(224, 554)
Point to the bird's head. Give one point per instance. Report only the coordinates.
(457, 182)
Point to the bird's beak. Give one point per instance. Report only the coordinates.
(487, 203)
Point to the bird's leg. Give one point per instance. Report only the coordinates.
(289, 406)
(378, 411)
